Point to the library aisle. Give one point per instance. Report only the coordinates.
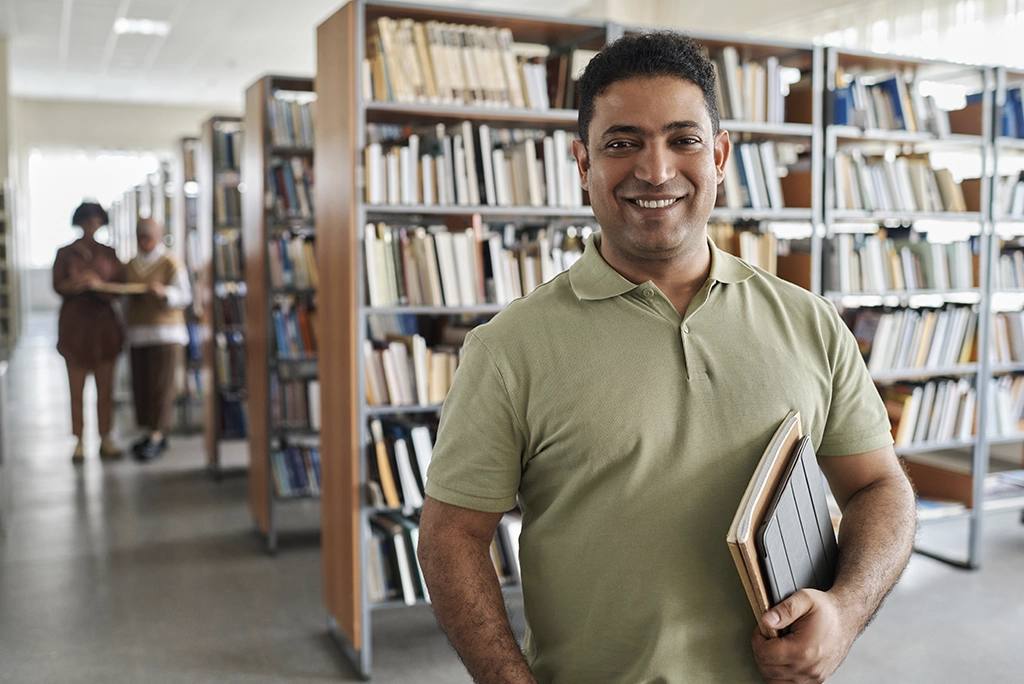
(153, 573)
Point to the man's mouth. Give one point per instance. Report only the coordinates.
(655, 204)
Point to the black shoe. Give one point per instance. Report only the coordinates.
(138, 444)
(149, 451)
(163, 443)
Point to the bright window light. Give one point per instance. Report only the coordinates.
(146, 27)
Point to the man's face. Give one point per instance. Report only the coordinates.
(653, 167)
(147, 242)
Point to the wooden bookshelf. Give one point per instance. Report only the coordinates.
(342, 212)
(269, 365)
(221, 291)
(10, 296)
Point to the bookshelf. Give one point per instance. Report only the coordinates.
(281, 280)
(366, 295)
(10, 296)
(185, 214)
(907, 244)
(222, 286)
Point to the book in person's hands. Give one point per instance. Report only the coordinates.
(110, 287)
(782, 537)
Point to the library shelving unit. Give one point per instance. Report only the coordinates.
(189, 403)
(10, 297)
(277, 224)
(770, 102)
(906, 216)
(371, 119)
(222, 327)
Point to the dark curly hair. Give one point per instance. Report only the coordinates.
(86, 210)
(647, 55)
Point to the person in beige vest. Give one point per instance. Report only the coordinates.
(156, 333)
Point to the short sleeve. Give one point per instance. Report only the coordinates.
(857, 420)
(477, 458)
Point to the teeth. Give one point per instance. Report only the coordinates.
(654, 204)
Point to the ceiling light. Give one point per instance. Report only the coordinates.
(146, 27)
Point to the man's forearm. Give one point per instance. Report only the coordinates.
(469, 606)
(876, 539)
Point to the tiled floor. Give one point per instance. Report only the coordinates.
(152, 573)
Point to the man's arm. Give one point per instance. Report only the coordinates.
(454, 554)
(875, 541)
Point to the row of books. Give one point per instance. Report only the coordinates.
(489, 166)
(290, 188)
(290, 121)
(440, 63)
(406, 372)
(1008, 197)
(1007, 406)
(227, 254)
(296, 467)
(1010, 270)
(1008, 337)
(393, 570)
(756, 248)
(752, 175)
(936, 411)
(877, 263)
(293, 262)
(227, 149)
(437, 267)
(229, 310)
(750, 90)
(227, 204)
(294, 404)
(915, 339)
(890, 102)
(234, 422)
(1011, 119)
(295, 327)
(229, 349)
(899, 184)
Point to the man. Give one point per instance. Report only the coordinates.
(156, 332)
(625, 405)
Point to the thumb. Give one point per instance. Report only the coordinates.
(789, 611)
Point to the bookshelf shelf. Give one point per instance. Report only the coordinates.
(788, 214)
(407, 408)
(380, 210)
(926, 447)
(897, 218)
(392, 112)
(482, 309)
(794, 131)
(894, 297)
(283, 382)
(923, 373)
(220, 288)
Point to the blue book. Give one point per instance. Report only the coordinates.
(283, 350)
(842, 106)
(1015, 110)
(894, 95)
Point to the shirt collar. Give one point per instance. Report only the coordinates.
(592, 278)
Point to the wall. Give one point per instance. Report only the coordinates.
(92, 126)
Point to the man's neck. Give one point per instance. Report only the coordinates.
(679, 278)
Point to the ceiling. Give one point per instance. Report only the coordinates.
(68, 50)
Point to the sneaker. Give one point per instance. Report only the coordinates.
(149, 451)
(79, 455)
(138, 444)
(109, 450)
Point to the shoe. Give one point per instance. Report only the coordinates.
(163, 443)
(79, 455)
(149, 451)
(138, 444)
(108, 450)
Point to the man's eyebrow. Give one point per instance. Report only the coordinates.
(637, 130)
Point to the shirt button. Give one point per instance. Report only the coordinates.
(686, 328)
(648, 293)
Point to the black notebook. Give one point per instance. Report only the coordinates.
(796, 541)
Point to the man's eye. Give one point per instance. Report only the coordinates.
(619, 144)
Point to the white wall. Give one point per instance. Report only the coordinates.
(91, 126)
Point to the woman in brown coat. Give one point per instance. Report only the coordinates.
(89, 335)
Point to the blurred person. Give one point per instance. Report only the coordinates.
(156, 332)
(89, 335)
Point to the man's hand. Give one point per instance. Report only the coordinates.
(817, 643)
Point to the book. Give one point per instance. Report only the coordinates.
(751, 512)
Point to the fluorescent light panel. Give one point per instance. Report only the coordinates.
(146, 27)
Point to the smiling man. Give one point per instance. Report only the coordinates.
(625, 404)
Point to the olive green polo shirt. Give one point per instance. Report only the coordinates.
(628, 434)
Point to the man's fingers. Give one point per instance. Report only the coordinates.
(789, 611)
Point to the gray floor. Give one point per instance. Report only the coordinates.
(152, 573)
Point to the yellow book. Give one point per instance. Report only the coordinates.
(387, 478)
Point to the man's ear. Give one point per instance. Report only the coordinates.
(579, 151)
(722, 149)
